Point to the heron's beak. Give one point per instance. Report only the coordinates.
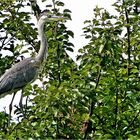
(57, 18)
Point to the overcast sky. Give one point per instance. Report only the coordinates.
(81, 10)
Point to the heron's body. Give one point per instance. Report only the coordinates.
(19, 76)
(25, 71)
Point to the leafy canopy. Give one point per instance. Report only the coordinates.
(99, 99)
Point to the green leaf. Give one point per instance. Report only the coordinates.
(67, 11)
(70, 33)
(69, 49)
(58, 3)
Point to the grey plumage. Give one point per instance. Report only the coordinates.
(18, 76)
(25, 71)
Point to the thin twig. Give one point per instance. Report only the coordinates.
(3, 42)
(128, 37)
(130, 124)
(58, 49)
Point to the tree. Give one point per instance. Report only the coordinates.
(110, 66)
(98, 99)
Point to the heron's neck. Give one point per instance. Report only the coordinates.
(43, 43)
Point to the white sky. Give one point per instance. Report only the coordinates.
(81, 10)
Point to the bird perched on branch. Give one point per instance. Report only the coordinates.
(24, 72)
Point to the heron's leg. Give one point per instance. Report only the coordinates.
(20, 102)
(10, 106)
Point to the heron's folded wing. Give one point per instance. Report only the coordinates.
(18, 76)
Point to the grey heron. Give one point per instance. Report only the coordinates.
(23, 72)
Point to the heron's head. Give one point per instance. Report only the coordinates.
(48, 17)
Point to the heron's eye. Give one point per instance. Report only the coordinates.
(49, 16)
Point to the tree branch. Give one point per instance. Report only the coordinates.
(128, 37)
(130, 124)
(89, 125)
(35, 8)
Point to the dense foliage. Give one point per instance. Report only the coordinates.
(99, 99)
